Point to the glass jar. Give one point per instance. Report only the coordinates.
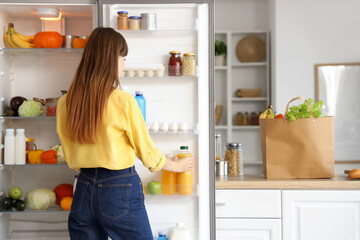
(254, 118)
(241, 119)
(218, 147)
(50, 106)
(175, 63)
(122, 20)
(134, 22)
(189, 64)
(234, 158)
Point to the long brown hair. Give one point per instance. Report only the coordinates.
(95, 79)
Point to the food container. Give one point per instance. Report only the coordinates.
(68, 41)
(218, 147)
(50, 105)
(254, 118)
(134, 22)
(234, 158)
(189, 64)
(148, 21)
(241, 119)
(122, 20)
(221, 168)
(175, 63)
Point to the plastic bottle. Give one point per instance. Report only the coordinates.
(9, 148)
(141, 102)
(162, 236)
(168, 183)
(180, 233)
(184, 179)
(20, 146)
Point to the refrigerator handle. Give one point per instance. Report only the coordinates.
(219, 204)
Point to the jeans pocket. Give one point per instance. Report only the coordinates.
(80, 190)
(114, 199)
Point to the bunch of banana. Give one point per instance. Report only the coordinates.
(267, 113)
(13, 39)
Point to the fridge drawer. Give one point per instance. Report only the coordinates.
(248, 203)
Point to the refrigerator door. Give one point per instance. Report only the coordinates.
(186, 26)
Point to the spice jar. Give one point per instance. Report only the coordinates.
(175, 63)
(234, 158)
(134, 22)
(241, 119)
(254, 118)
(189, 64)
(218, 147)
(50, 106)
(122, 20)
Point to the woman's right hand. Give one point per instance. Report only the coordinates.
(179, 165)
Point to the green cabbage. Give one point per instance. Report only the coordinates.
(30, 108)
(40, 198)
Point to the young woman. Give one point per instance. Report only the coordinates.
(102, 131)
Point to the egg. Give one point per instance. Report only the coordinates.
(173, 127)
(183, 126)
(154, 126)
(164, 126)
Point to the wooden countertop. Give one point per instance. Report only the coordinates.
(258, 181)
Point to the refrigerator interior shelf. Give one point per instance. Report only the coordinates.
(170, 133)
(159, 31)
(27, 118)
(53, 209)
(162, 77)
(40, 51)
(36, 165)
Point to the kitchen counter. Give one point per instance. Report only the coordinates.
(258, 181)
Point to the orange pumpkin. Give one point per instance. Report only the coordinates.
(48, 39)
(79, 42)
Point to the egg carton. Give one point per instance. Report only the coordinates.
(143, 70)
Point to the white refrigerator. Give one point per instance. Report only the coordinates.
(185, 26)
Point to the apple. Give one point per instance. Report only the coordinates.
(154, 188)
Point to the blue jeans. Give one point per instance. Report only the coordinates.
(109, 203)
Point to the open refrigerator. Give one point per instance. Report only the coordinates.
(185, 26)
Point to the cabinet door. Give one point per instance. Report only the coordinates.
(317, 215)
(248, 229)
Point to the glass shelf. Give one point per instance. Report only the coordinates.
(53, 209)
(158, 31)
(28, 164)
(27, 118)
(170, 133)
(162, 77)
(40, 51)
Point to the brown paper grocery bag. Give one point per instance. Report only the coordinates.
(303, 148)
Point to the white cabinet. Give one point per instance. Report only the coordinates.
(248, 229)
(318, 215)
(248, 203)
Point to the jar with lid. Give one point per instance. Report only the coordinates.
(134, 22)
(241, 119)
(122, 20)
(235, 159)
(189, 64)
(50, 106)
(175, 63)
(254, 118)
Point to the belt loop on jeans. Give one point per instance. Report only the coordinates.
(132, 169)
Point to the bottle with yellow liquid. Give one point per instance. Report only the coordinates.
(168, 183)
(184, 179)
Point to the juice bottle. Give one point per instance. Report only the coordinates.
(184, 179)
(168, 183)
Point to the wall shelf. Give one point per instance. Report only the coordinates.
(252, 64)
(246, 127)
(244, 99)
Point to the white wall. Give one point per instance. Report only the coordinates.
(307, 32)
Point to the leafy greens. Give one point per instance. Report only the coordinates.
(302, 111)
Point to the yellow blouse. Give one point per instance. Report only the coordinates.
(123, 136)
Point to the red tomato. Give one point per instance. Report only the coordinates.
(279, 116)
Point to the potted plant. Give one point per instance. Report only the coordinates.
(220, 53)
